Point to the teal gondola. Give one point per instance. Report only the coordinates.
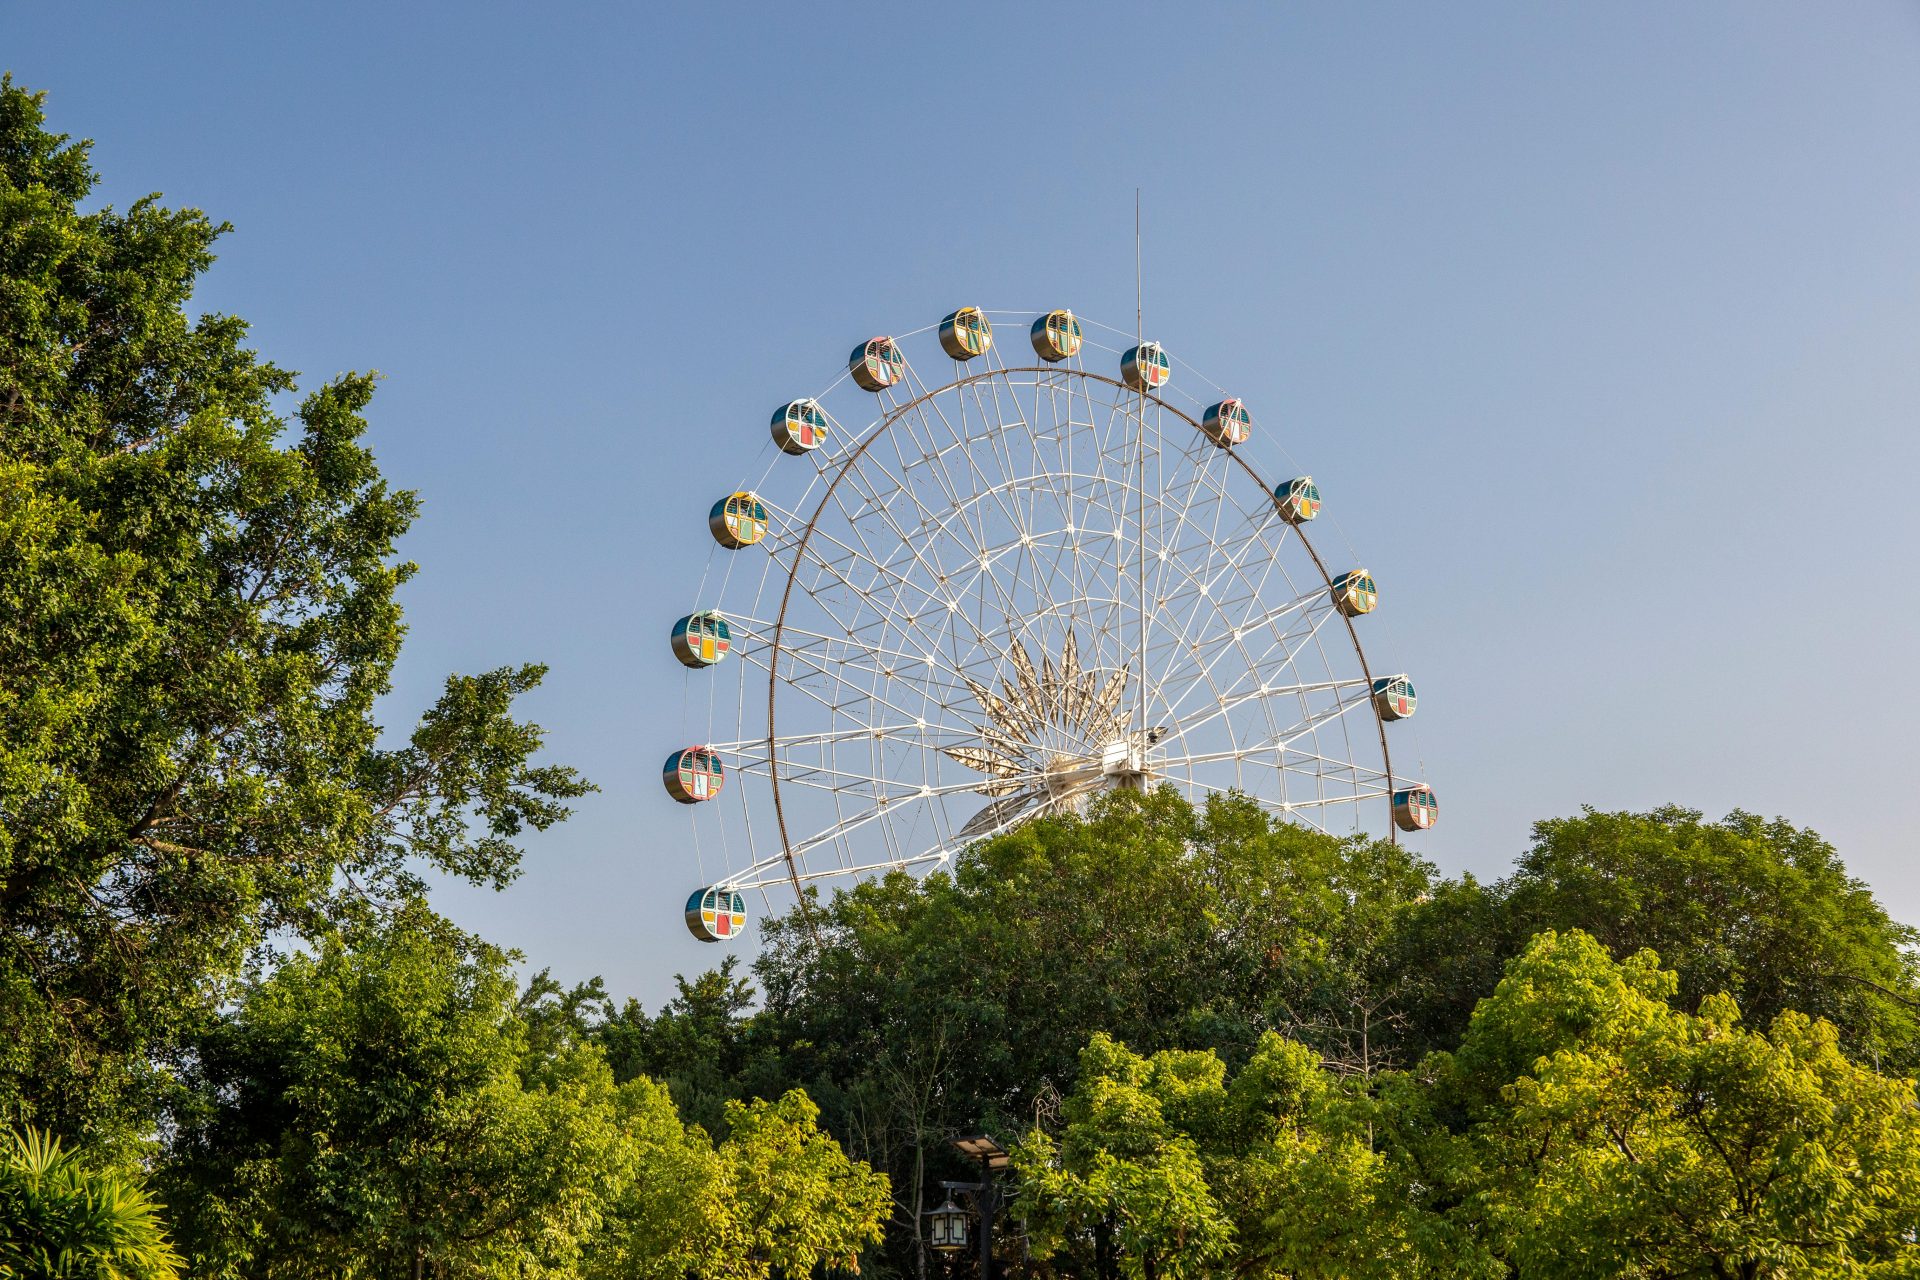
(1355, 593)
(1227, 423)
(1415, 808)
(738, 520)
(1299, 499)
(799, 427)
(701, 639)
(966, 333)
(1146, 367)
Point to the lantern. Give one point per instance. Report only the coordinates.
(947, 1227)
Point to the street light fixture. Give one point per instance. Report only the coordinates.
(947, 1227)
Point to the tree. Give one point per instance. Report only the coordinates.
(1122, 1175)
(1608, 1133)
(1759, 910)
(794, 1200)
(778, 1197)
(197, 617)
(363, 1112)
(914, 1011)
(1164, 1166)
(391, 1106)
(697, 1044)
(61, 1220)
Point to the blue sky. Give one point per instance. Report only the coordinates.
(1603, 323)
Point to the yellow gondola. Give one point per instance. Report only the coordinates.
(1056, 336)
(799, 427)
(738, 520)
(877, 364)
(1299, 500)
(716, 914)
(1146, 367)
(966, 333)
(1354, 592)
(1227, 423)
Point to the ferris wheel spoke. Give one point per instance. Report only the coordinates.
(836, 673)
(759, 636)
(844, 701)
(950, 604)
(772, 872)
(1315, 765)
(1300, 809)
(1228, 704)
(1315, 609)
(1173, 672)
(754, 751)
(1278, 743)
(860, 818)
(982, 484)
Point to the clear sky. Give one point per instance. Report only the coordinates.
(1601, 323)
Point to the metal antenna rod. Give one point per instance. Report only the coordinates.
(1140, 481)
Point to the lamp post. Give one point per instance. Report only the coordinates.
(947, 1225)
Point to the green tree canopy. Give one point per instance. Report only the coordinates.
(1164, 1167)
(1587, 1127)
(1759, 910)
(915, 1011)
(197, 617)
(387, 1107)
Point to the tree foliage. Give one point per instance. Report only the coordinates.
(1586, 1128)
(62, 1220)
(915, 1011)
(387, 1107)
(1759, 910)
(197, 617)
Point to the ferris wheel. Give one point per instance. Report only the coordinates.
(1022, 580)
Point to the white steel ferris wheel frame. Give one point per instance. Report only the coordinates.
(933, 565)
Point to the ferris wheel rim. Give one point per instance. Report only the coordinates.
(843, 466)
